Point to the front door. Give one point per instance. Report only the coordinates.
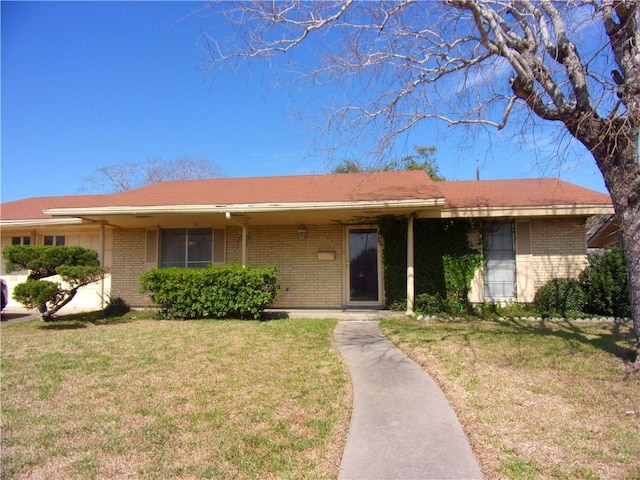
(364, 278)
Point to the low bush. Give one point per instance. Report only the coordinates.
(428, 303)
(605, 284)
(559, 296)
(232, 291)
(115, 307)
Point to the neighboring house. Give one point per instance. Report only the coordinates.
(603, 231)
(312, 228)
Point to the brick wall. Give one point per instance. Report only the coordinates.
(128, 265)
(306, 281)
(559, 249)
(233, 245)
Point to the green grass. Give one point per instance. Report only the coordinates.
(140, 398)
(537, 399)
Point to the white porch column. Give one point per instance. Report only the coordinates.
(410, 267)
(101, 242)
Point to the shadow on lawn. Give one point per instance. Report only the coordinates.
(612, 342)
(75, 321)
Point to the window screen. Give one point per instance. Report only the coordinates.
(191, 247)
(500, 261)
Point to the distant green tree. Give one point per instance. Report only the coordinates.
(348, 166)
(76, 267)
(421, 160)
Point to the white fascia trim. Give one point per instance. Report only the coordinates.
(246, 208)
(527, 211)
(41, 222)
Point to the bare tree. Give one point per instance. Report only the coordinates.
(125, 176)
(574, 63)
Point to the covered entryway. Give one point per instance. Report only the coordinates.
(364, 267)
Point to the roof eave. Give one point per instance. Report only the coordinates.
(41, 222)
(243, 208)
(526, 211)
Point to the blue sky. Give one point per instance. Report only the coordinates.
(91, 84)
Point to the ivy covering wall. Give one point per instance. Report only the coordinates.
(444, 260)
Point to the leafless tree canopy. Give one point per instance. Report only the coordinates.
(125, 176)
(575, 63)
(459, 61)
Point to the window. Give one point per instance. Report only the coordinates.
(20, 240)
(191, 247)
(57, 240)
(500, 261)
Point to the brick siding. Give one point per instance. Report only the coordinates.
(559, 249)
(128, 265)
(305, 280)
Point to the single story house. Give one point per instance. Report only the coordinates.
(312, 227)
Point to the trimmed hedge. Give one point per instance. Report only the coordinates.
(214, 292)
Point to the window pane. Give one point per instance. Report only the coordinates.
(26, 241)
(186, 247)
(60, 240)
(500, 268)
(199, 247)
(15, 240)
(48, 240)
(172, 248)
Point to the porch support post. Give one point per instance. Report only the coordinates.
(101, 241)
(410, 268)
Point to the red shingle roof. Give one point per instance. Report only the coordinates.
(536, 192)
(354, 187)
(350, 187)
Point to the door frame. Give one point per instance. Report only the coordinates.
(347, 267)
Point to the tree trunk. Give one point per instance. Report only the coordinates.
(617, 159)
(631, 245)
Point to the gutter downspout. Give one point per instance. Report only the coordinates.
(244, 237)
(410, 268)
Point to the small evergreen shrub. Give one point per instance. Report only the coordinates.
(214, 292)
(115, 307)
(605, 284)
(559, 296)
(36, 293)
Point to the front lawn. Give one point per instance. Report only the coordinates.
(536, 399)
(172, 399)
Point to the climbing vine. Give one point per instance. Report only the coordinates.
(444, 260)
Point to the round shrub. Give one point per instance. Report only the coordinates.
(559, 296)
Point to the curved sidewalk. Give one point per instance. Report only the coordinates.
(402, 426)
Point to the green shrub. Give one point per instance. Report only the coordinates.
(214, 292)
(559, 296)
(76, 266)
(115, 307)
(429, 303)
(605, 284)
(36, 293)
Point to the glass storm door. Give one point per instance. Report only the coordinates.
(364, 266)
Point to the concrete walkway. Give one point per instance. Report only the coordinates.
(402, 426)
